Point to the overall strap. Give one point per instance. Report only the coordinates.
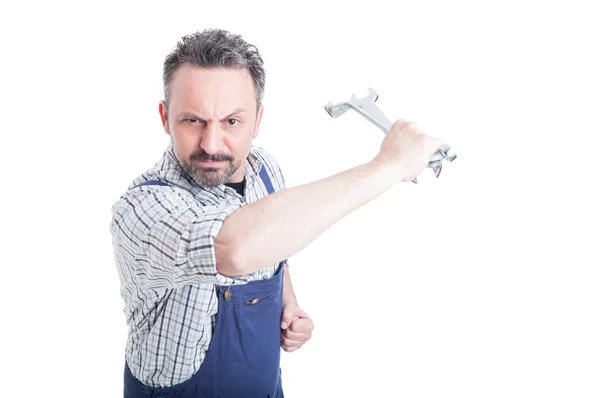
(152, 182)
(265, 179)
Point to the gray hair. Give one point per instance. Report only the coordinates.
(215, 48)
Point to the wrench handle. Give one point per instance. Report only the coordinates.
(369, 109)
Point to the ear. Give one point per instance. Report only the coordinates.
(164, 113)
(258, 120)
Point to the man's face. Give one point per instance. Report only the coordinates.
(212, 120)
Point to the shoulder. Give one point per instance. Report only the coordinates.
(267, 161)
(149, 203)
(263, 156)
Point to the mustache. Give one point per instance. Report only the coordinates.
(202, 156)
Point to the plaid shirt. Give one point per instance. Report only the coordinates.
(163, 239)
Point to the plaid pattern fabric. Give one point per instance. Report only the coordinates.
(163, 240)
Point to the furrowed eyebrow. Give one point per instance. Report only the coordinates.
(235, 112)
(190, 115)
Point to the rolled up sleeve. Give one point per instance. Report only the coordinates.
(163, 239)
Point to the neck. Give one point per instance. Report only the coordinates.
(239, 174)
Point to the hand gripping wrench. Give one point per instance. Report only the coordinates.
(367, 107)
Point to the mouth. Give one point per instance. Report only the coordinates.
(208, 163)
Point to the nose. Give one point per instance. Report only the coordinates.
(211, 140)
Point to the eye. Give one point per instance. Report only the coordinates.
(232, 122)
(192, 120)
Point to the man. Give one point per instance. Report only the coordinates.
(202, 239)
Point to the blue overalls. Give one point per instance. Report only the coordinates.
(243, 358)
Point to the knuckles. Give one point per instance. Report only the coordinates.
(411, 126)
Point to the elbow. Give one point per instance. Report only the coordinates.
(229, 259)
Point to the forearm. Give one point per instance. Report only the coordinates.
(274, 228)
(289, 297)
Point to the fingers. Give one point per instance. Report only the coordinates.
(302, 325)
(292, 341)
(399, 124)
(289, 349)
(290, 345)
(433, 144)
(297, 334)
(287, 320)
(290, 313)
(296, 327)
(284, 323)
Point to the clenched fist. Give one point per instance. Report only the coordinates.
(407, 150)
(296, 327)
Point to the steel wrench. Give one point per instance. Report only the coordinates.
(367, 107)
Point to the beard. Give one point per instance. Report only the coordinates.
(211, 176)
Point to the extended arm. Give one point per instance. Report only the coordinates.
(264, 232)
(276, 227)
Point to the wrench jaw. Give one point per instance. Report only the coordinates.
(436, 166)
(360, 105)
(336, 110)
(371, 98)
(442, 154)
(438, 157)
(449, 158)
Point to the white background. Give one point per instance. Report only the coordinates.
(483, 283)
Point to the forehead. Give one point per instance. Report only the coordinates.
(194, 87)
